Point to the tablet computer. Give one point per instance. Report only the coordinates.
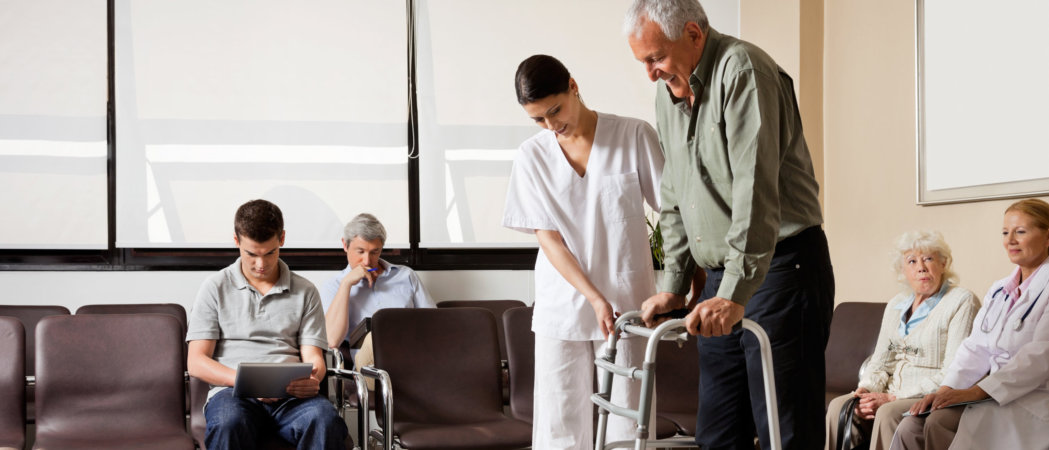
(268, 380)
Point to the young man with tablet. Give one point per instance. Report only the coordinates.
(257, 311)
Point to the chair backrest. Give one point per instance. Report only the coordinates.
(110, 381)
(677, 376)
(497, 307)
(853, 336)
(172, 309)
(12, 383)
(520, 352)
(443, 363)
(30, 316)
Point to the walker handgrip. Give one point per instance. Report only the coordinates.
(674, 314)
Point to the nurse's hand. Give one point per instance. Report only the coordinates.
(660, 303)
(713, 317)
(606, 321)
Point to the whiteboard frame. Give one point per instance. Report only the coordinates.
(972, 193)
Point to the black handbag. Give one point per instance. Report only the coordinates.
(845, 427)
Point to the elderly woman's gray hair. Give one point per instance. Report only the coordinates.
(670, 15)
(364, 226)
(926, 241)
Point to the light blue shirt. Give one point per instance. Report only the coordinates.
(396, 287)
(921, 313)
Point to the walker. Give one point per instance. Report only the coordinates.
(671, 330)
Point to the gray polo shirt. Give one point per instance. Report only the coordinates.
(251, 327)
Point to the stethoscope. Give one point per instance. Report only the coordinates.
(1019, 323)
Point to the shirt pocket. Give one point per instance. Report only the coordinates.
(620, 197)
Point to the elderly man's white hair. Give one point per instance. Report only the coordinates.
(365, 226)
(670, 15)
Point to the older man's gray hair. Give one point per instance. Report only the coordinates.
(364, 226)
(670, 15)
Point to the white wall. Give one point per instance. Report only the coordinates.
(75, 289)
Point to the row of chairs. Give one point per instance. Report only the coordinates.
(438, 342)
(851, 334)
(110, 338)
(441, 377)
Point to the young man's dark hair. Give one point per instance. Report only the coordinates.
(258, 220)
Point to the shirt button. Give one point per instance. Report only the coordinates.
(693, 206)
(698, 239)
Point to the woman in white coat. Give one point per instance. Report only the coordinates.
(580, 186)
(1005, 360)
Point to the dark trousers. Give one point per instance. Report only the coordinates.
(794, 306)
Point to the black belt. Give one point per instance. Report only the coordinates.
(792, 243)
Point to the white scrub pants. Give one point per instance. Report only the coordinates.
(565, 377)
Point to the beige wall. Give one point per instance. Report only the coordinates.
(869, 154)
(791, 32)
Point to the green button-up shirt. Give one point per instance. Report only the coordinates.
(738, 176)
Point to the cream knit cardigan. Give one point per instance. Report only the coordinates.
(914, 365)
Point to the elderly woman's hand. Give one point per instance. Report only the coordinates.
(871, 401)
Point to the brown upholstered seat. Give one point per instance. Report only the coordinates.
(30, 316)
(853, 335)
(12, 383)
(110, 381)
(444, 368)
(677, 384)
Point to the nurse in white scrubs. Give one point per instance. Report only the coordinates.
(580, 186)
(1005, 360)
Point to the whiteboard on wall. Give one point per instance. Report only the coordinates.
(982, 100)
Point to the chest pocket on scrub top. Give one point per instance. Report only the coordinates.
(621, 198)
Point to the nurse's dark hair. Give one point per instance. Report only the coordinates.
(1036, 209)
(258, 220)
(538, 77)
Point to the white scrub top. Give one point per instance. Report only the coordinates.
(600, 215)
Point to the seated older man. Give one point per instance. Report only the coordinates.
(367, 285)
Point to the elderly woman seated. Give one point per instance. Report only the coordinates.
(920, 331)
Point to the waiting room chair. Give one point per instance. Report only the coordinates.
(110, 381)
(853, 336)
(520, 354)
(12, 384)
(520, 350)
(677, 384)
(440, 378)
(30, 316)
(172, 309)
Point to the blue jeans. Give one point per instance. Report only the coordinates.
(245, 423)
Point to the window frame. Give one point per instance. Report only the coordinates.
(185, 259)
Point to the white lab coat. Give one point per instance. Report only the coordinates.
(600, 216)
(1018, 362)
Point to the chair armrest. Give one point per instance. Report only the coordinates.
(356, 337)
(387, 401)
(362, 400)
